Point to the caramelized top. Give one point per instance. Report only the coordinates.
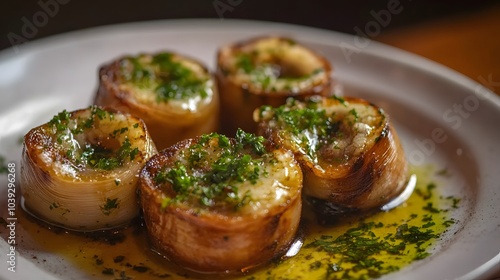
(274, 64)
(327, 132)
(225, 175)
(87, 144)
(166, 79)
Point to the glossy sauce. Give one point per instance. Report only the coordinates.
(126, 253)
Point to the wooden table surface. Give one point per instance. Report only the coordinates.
(469, 44)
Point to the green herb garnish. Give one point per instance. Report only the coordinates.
(214, 183)
(309, 126)
(358, 247)
(168, 78)
(60, 121)
(110, 204)
(244, 62)
(96, 156)
(429, 207)
(106, 159)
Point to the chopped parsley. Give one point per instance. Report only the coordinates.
(109, 206)
(314, 129)
(308, 118)
(454, 200)
(244, 62)
(355, 115)
(309, 126)
(99, 157)
(60, 121)
(340, 99)
(212, 181)
(248, 139)
(66, 128)
(120, 131)
(369, 247)
(429, 207)
(167, 77)
(106, 159)
(265, 66)
(267, 74)
(427, 194)
(63, 120)
(357, 248)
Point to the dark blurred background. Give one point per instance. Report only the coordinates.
(464, 35)
(341, 16)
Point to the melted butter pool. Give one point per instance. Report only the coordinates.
(357, 247)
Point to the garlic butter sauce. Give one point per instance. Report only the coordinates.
(394, 240)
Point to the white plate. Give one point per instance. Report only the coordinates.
(47, 76)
